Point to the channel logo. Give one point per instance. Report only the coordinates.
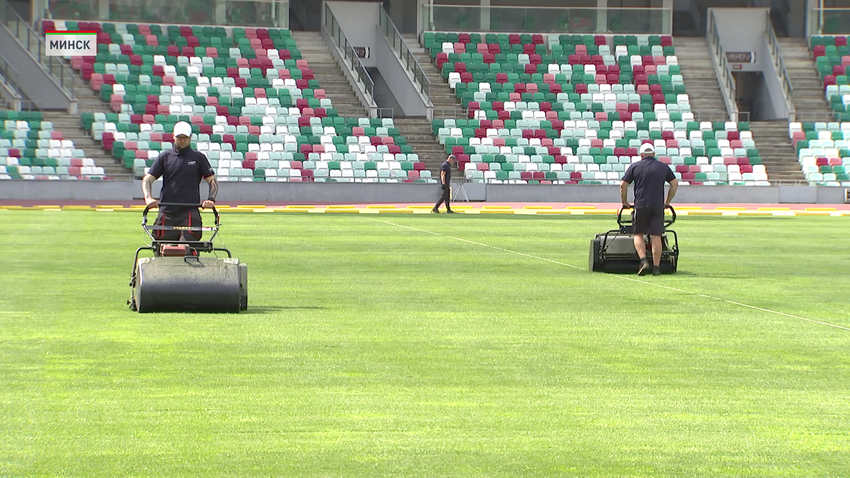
(71, 43)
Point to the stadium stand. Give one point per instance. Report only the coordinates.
(573, 109)
(823, 151)
(31, 149)
(832, 59)
(822, 147)
(540, 109)
(256, 109)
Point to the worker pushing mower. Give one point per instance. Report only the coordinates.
(625, 249)
(177, 277)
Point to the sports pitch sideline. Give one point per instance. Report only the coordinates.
(524, 209)
(426, 345)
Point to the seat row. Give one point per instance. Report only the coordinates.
(248, 94)
(600, 94)
(832, 60)
(30, 148)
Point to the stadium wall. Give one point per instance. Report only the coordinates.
(35, 82)
(342, 193)
(359, 23)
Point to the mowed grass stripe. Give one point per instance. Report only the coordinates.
(377, 351)
(624, 277)
(653, 282)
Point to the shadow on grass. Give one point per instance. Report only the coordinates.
(265, 309)
(260, 309)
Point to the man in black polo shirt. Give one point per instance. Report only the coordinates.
(648, 176)
(445, 184)
(181, 170)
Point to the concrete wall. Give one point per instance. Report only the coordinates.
(404, 14)
(742, 29)
(39, 86)
(384, 97)
(359, 22)
(341, 193)
(771, 93)
(308, 13)
(396, 77)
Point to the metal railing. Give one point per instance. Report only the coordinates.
(829, 21)
(385, 112)
(9, 75)
(815, 117)
(349, 55)
(609, 20)
(779, 66)
(719, 115)
(256, 13)
(451, 112)
(402, 51)
(34, 43)
(722, 69)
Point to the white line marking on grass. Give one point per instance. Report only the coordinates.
(483, 245)
(626, 278)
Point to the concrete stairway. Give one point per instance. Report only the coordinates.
(417, 132)
(446, 103)
(697, 69)
(54, 67)
(329, 75)
(808, 95)
(776, 150)
(70, 127)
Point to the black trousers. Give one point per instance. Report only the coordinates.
(184, 218)
(444, 197)
(649, 221)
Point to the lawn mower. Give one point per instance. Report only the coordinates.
(179, 278)
(614, 251)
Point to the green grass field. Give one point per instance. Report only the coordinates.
(384, 345)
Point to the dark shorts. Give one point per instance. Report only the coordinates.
(186, 218)
(649, 221)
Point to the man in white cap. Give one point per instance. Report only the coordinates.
(648, 176)
(181, 169)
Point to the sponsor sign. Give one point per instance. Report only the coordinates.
(363, 51)
(71, 43)
(741, 56)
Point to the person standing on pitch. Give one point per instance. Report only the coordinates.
(445, 183)
(648, 176)
(181, 169)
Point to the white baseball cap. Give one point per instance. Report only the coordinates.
(644, 148)
(183, 128)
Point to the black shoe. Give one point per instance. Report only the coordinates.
(656, 271)
(435, 211)
(644, 265)
(450, 212)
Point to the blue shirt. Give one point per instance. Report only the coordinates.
(446, 167)
(649, 176)
(181, 172)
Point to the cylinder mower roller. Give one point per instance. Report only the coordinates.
(179, 278)
(614, 251)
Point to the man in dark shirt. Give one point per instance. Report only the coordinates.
(181, 170)
(648, 176)
(445, 184)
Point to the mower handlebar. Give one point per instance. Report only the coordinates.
(667, 222)
(672, 216)
(177, 204)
